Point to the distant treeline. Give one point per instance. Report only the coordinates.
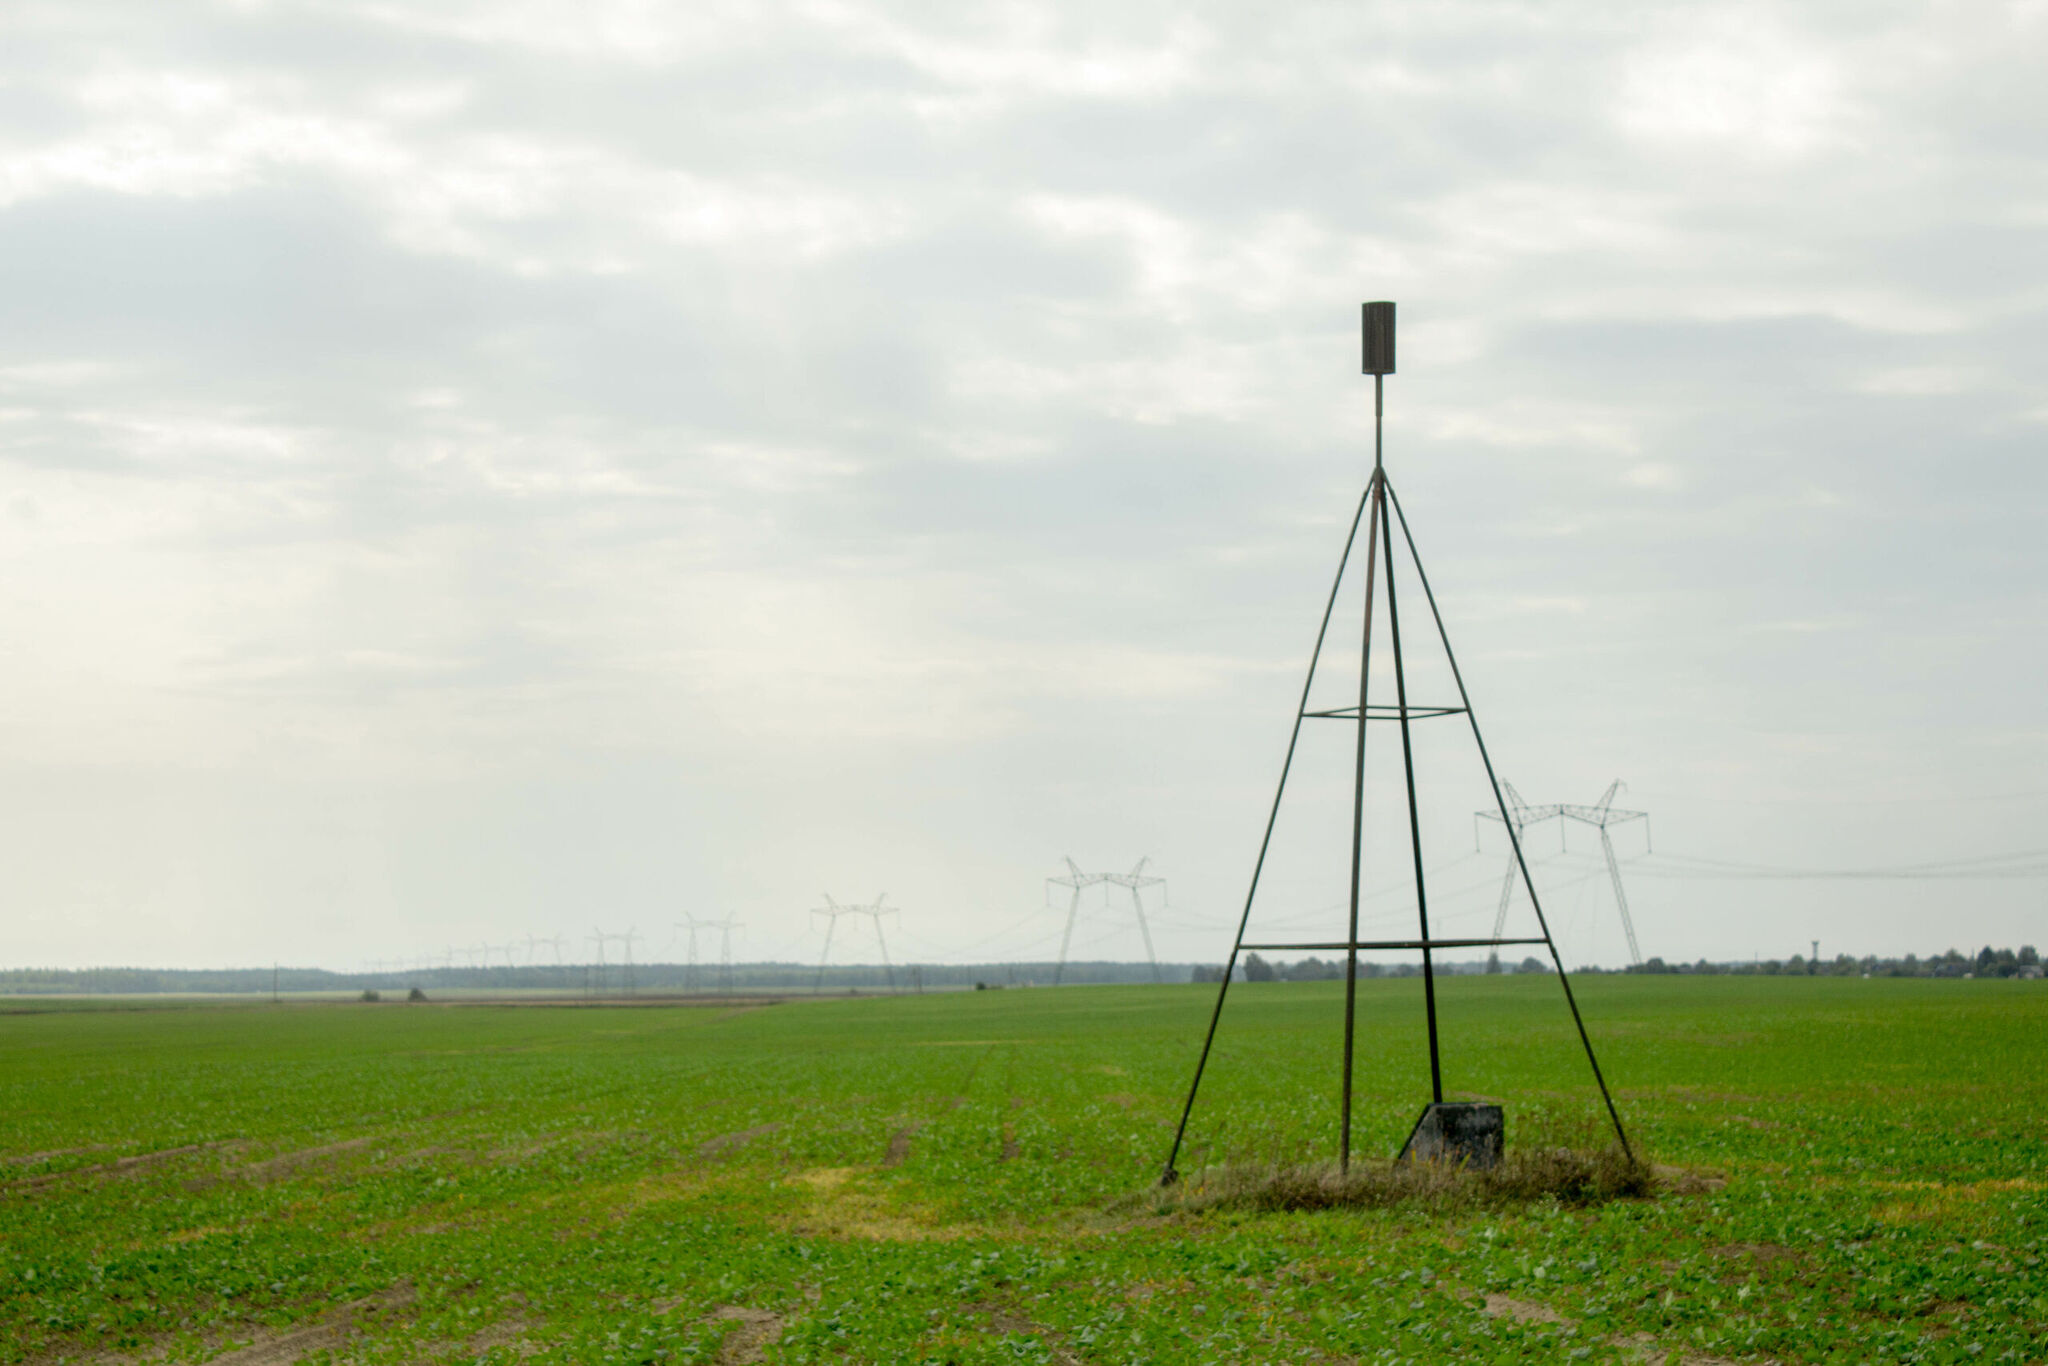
(1253, 968)
(613, 979)
(1987, 962)
(594, 979)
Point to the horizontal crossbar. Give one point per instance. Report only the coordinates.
(1396, 944)
(1382, 712)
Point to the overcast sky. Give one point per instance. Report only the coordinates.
(479, 470)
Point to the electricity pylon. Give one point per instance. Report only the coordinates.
(832, 910)
(725, 927)
(1521, 815)
(1077, 880)
(627, 938)
(1135, 880)
(600, 938)
(1600, 815)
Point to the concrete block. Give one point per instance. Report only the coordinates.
(1467, 1133)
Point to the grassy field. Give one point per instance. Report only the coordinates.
(962, 1178)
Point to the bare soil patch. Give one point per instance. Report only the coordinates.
(27, 1158)
(283, 1165)
(899, 1144)
(758, 1330)
(1522, 1311)
(124, 1166)
(1007, 1323)
(711, 1147)
(1646, 1347)
(333, 1329)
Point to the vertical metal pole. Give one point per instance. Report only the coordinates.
(1514, 834)
(1376, 514)
(1169, 1174)
(1500, 918)
(887, 967)
(1073, 909)
(1436, 1075)
(830, 925)
(1138, 904)
(1628, 925)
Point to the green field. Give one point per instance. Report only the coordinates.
(962, 1178)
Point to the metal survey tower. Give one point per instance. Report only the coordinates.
(1379, 509)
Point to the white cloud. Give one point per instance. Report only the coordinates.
(934, 427)
(1737, 79)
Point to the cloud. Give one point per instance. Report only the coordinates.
(904, 443)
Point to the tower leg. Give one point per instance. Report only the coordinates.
(1514, 836)
(1073, 909)
(1620, 898)
(1169, 1173)
(888, 969)
(824, 954)
(1138, 904)
(1372, 542)
(1500, 917)
(1436, 1072)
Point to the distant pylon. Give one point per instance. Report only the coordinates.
(691, 924)
(832, 910)
(1521, 815)
(1600, 815)
(1135, 880)
(600, 938)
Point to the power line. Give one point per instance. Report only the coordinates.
(2022, 865)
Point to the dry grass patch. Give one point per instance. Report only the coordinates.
(846, 1202)
(1567, 1175)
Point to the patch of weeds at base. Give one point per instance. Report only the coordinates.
(1567, 1176)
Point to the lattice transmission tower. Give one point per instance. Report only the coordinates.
(1603, 816)
(1521, 815)
(600, 938)
(833, 911)
(690, 924)
(1136, 881)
